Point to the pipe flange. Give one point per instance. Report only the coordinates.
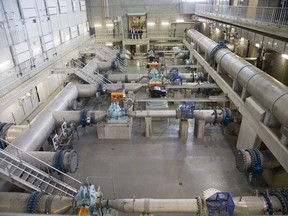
(241, 161)
(282, 200)
(33, 201)
(268, 202)
(73, 161)
(253, 160)
(199, 205)
(58, 160)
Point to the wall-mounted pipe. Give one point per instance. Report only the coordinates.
(272, 94)
(44, 204)
(69, 116)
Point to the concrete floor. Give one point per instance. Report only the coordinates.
(163, 166)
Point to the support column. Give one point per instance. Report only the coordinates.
(183, 129)
(148, 126)
(199, 128)
(187, 93)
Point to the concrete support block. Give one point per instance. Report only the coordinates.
(148, 126)
(270, 120)
(183, 129)
(187, 93)
(244, 94)
(177, 95)
(256, 110)
(114, 131)
(276, 179)
(235, 86)
(199, 128)
(247, 138)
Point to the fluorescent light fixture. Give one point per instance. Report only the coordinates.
(151, 23)
(5, 63)
(179, 20)
(285, 56)
(164, 23)
(242, 39)
(98, 25)
(109, 44)
(109, 24)
(257, 45)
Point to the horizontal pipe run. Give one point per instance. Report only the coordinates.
(75, 116)
(154, 205)
(17, 203)
(43, 124)
(125, 77)
(68, 161)
(205, 115)
(272, 94)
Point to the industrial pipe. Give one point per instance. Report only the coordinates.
(43, 124)
(251, 159)
(64, 160)
(154, 205)
(125, 77)
(14, 131)
(273, 94)
(42, 204)
(69, 116)
(209, 116)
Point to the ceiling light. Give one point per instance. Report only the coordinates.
(98, 25)
(151, 23)
(109, 24)
(257, 45)
(179, 20)
(164, 23)
(285, 56)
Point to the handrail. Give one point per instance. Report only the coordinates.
(75, 181)
(276, 16)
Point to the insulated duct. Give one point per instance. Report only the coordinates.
(272, 94)
(125, 77)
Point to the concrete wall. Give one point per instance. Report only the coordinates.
(33, 31)
(157, 12)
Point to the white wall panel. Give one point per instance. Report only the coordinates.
(82, 6)
(63, 3)
(47, 38)
(32, 28)
(51, 3)
(48, 46)
(74, 5)
(81, 28)
(28, 12)
(52, 11)
(20, 48)
(25, 56)
(6, 61)
(26, 3)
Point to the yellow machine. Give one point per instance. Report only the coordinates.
(153, 65)
(119, 96)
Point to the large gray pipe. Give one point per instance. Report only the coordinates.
(17, 203)
(43, 124)
(69, 116)
(272, 94)
(205, 115)
(68, 160)
(155, 205)
(125, 77)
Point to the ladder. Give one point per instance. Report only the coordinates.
(88, 74)
(30, 178)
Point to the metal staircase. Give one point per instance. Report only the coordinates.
(110, 54)
(88, 73)
(30, 178)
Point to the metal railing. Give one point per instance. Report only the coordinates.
(67, 180)
(266, 15)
